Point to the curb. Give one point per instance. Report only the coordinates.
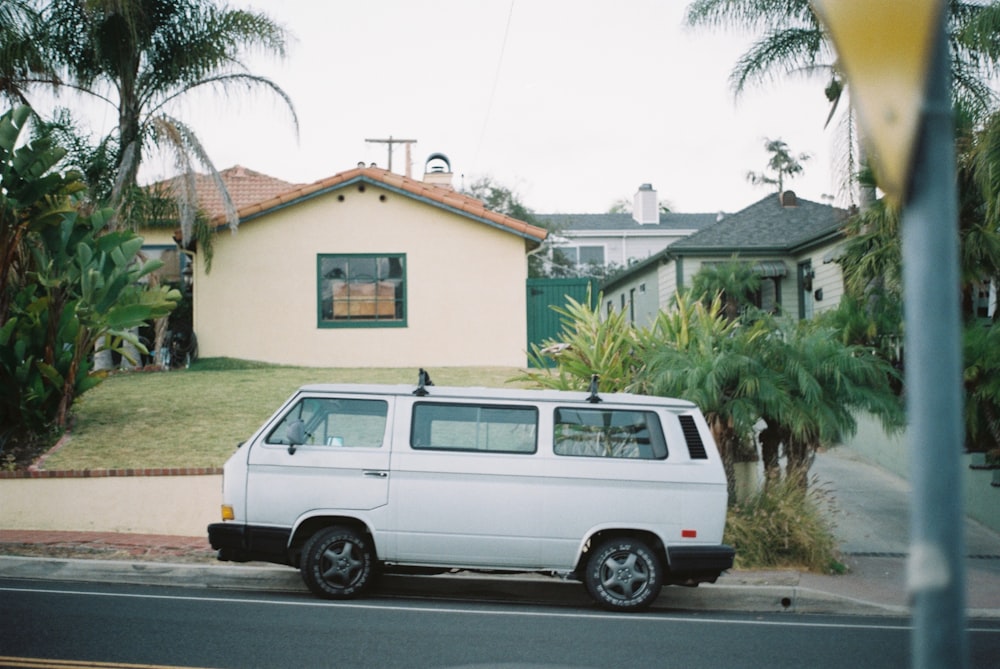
(769, 598)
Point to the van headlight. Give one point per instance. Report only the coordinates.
(227, 512)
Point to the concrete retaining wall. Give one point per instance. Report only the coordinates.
(177, 505)
(981, 499)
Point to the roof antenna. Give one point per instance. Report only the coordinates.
(423, 379)
(594, 398)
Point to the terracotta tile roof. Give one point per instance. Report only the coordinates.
(440, 195)
(245, 186)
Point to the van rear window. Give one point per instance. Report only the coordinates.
(609, 433)
(474, 427)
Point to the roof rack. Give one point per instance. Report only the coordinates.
(594, 397)
(423, 380)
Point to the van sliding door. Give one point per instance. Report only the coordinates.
(466, 492)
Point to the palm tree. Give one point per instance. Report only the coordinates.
(823, 383)
(696, 352)
(735, 282)
(20, 59)
(782, 163)
(872, 261)
(793, 42)
(140, 57)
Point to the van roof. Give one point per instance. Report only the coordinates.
(513, 394)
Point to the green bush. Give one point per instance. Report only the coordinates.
(588, 344)
(784, 526)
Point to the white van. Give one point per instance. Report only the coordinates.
(623, 492)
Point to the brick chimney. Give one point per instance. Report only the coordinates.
(788, 199)
(645, 207)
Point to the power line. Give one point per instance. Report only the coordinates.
(496, 80)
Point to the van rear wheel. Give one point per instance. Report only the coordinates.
(338, 563)
(623, 574)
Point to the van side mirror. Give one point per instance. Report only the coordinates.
(295, 433)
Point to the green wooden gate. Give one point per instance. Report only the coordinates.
(543, 294)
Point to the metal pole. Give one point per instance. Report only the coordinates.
(936, 570)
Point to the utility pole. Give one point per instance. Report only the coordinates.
(390, 142)
(936, 571)
(896, 57)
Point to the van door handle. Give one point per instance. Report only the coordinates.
(376, 474)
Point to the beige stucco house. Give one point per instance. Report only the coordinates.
(366, 268)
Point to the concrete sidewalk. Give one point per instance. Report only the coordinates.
(872, 523)
(869, 509)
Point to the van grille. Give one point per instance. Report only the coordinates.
(696, 447)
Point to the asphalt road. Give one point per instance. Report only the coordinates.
(195, 627)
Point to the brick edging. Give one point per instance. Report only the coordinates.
(36, 471)
(105, 473)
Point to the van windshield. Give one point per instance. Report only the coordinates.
(325, 421)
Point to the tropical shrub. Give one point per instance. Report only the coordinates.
(588, 345)
(66, 282)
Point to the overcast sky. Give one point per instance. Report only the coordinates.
(571, 103)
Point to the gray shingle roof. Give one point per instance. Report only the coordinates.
(620, 222)
(766, 226)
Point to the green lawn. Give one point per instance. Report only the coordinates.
(196, 417)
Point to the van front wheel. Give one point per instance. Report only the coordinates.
(338, 563)
(623, 574)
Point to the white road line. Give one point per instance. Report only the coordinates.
(648, 617)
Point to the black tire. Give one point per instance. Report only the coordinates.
(338, 563)
(623, 574)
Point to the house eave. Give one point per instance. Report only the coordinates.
(728, 251)
(459, 204)
(628, 274)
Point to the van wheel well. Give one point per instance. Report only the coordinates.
(308, 528)
(649, 538)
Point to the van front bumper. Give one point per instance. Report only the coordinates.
(243, 543)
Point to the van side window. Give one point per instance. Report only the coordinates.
(609, 433)
(324, 421)
(474, 427)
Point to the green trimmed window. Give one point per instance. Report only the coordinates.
(361, 290)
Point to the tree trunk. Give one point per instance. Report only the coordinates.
(69, 380)
(131, 358)
(866, 192)
(797, 461)
(102, 356)
(160, 341)
(770, 445)
(722, 432)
